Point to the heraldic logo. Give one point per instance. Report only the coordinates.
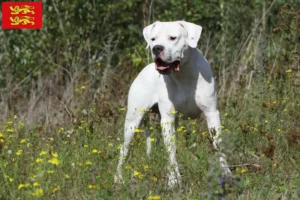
(22, 15)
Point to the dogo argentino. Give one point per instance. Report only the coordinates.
(180, 79)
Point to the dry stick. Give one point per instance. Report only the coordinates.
(246, 164)
(59, 19)
(149, 16)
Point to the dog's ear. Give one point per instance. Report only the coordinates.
(147, 31)
(193, 32)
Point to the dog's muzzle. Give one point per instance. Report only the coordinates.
(164, 67)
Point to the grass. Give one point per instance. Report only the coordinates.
(260, 127)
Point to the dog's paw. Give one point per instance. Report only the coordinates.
(227, 174)
(174, 180)
(118, 179)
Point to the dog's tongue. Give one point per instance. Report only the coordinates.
(162, 67)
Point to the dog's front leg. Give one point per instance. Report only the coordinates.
(168, 133)
(214, 126)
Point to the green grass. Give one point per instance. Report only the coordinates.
(260, 127)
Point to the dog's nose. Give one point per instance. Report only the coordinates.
(157, 49)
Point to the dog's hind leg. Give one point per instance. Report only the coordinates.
(148, 142)
(141, 97)
(132, 122)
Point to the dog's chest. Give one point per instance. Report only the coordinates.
(185, 97)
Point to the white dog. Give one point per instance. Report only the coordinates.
(181, 80)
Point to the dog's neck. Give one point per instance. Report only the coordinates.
(186, 68)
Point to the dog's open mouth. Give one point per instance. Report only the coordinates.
(165, 67)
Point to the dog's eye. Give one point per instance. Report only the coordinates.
(152, 39)
(173, 38)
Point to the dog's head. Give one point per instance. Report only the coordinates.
(169, 41)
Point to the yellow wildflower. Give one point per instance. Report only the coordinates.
(21, 123)
(92, 186)
(289, 71)
(94, 151)
(152, 139)
(55, 155)
(43, 153)
(67, 176)
(154, 198)
(88, 162)
(60, 130)
(173, 112)
(10, 130)
(20, 186)
(136, 173)
(19, 152)
(36, 184)
(26, 185)
(154, 178)
(38, 160)
(83, 87)
(181, 129)
(128, 167)
(122, 109)
(146, 167)
(39, 192)
(22, 141)
(9, 178)
(54, 161)
(243, 170)
(56, 189)
(136, 130)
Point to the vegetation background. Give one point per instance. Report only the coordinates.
(63, 101)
